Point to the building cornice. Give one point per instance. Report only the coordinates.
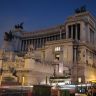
(44, 31)
(59, 42)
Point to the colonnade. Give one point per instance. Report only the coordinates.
(39, 42)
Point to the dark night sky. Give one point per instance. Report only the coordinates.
(38, 14)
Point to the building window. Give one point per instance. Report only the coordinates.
(57, 49)
(74, 31)
(79, 79)
(57, 56)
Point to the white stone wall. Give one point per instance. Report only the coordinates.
(49, 55)
(68, 54)
(29, 63)
(90, 74)
(38, 54)
(1, 62)
(83, 32)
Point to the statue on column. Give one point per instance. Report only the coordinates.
(11, 41)
(8, 36)
(12, 38)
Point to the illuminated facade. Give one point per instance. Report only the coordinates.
(67, 50)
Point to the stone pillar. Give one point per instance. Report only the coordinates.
(67, 32)
(19, 44)
(75, 54)
(60, 33)
(25, 45)
(37, 43)
(33, 42)
(28, 43)
(22, 46)
(1, 62)
(43, 41)
(72, 32)
(88, 34)
(76, 33)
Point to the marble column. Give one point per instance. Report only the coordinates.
(67, 32)
(72, 32)
(22, 45)
(75, 55)
(76, 35)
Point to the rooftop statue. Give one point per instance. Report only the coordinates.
(8, 36)
(80, 10)
(19, 26)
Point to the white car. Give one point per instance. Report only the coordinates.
(80, 94)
